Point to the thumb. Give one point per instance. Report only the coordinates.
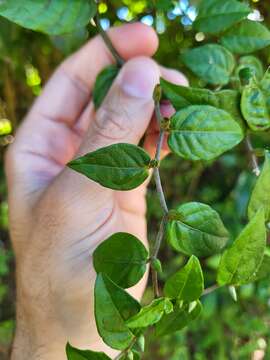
(123, 117)
(128, 107)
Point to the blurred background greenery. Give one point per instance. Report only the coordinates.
(226, 329)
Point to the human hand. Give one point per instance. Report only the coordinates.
(57, 216)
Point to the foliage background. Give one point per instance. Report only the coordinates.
(226, 330)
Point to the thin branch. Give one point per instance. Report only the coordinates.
(156, 247)
(127, 349)
(210, 289)
(160, 141)
(160, 236)
(253, 157)
(155, 282)
(154, 253)
(108, 42)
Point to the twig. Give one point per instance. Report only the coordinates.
(108, 42)
(159, 236)
(154, 253)
(210, 289)
(162, 200)
(160, 141)
(253, 157)
(127, 349)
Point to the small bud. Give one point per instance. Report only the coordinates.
(260, 152)
(157, 93)
(165, 124)
(141, 343)
(157, 265)
(192, 306)
(174, 215)
(153, 164)
(233, 293)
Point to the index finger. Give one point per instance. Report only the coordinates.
(68, 91)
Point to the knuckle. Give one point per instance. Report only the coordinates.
(113, 120)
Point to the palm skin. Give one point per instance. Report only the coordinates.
(58, 217)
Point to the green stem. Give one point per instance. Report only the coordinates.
(108, 42)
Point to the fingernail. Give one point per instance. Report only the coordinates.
(139, 77)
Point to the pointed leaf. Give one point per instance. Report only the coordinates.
(182, 96)
(118, 166)
(246, 37)
(123, 258)
(254, 107)
(239, 262)
(188, 283)
(103, 83)
(150, 314)
(196, 229)
(113, 306)
(215, 66)
(203, 132)
(76, 354)
(177, 320)
(215, 15)
(260, 196)
(53, 17)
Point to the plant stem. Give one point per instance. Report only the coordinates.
(210, 289)
(253, 157)
(108, 42)
(159, 237)
(156, 247)
(127, 349)
(160, 141)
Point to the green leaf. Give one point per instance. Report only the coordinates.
(215, 66)
(215, 15)
(163, 5)
(254, 107)
(123, 258)
(203, 132)
(103, 83)
(178, 319)
(119, 166)
(150, 314)
(187, 284)
(263, 271)
(182, 96)
(68, 43)
(265, 86)
(260, 196)
(253, 63)
(196, 229)
(113, 306)
(76, 354)
(239, 262)
(246, 37)
(53, 17)
(136, 355)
